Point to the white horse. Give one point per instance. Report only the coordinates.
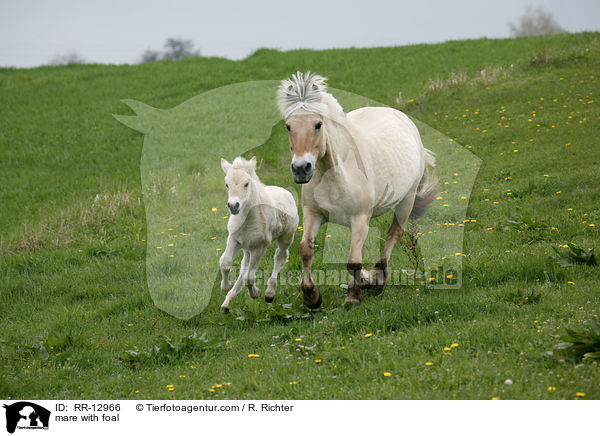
(353, 167)
(259, 215)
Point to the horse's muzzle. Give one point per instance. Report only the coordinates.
(234, 208)
(303, 172)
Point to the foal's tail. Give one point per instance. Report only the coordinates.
(427, 190)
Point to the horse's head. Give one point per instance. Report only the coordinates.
(307, 143)
(238, 180)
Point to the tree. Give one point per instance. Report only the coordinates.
(178, 48)
(67, 59)
(150, 56)
(175, 50)
(536, 21)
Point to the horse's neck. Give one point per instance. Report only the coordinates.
(336, 150)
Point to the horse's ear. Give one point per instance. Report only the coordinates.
(252, 164)
(225, 165)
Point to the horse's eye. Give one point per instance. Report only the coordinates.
(226, 185)
(287, 126)
(318, 125)
(246, 185)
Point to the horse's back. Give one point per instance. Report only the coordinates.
(390, 144)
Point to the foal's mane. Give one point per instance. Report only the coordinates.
(307, 91)
(241, 163)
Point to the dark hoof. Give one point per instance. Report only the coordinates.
(350, 303)
(269, 299)
(224, 310)
(316, 304)
(374, 291)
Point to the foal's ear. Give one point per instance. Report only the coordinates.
(252, 164)
(225, 165)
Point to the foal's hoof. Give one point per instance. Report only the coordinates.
(269, 299)
(224, 309)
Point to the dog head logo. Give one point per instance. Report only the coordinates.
(26, 415)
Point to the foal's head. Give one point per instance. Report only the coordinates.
(307, 143)
(238, 181)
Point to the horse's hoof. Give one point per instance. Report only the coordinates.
(316, 304)
(269, 299)
(350, 303)
(376, 290)
(224, 309)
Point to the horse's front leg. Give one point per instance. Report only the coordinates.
(239, 283)
(226, 262)
(311, 223)
(360, 229)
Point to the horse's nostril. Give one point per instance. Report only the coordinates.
(308, 166)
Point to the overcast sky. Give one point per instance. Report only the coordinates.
(118, 31)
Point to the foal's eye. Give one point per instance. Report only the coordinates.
(226, 185)
(246, 185)
(318, 125)
(287, 126)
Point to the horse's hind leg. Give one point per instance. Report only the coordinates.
(255, 257)
(281, 255)
(378, 275)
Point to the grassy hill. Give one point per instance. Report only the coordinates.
(77, 318)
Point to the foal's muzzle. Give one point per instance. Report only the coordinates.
(302, 172)
(234, 207)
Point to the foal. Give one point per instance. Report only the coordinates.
(259, 215)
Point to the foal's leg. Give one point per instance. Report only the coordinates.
(311, 223)
(378, 275)
(226, 261)
(360, 228)
(255, 257)
(239, 283)
(281, 255)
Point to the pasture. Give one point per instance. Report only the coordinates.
(77, 317)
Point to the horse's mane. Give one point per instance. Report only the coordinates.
(309, 92)
(241, 163)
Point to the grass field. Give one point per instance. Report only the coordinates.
(77, 317)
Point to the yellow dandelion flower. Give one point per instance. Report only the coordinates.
(192, 366)
(171, 389)
(169, 386)
(446, 348)
(298, 339)
(137, 391)
(551, 388)
(129, 325)
(293, 383)
(214, 209)
(211, 390)
(428, 363)
(368, 335)
(342, 348)
(580, 394)
(454, 345)
(495, 398)
(219, 385)
(571, 283)
(159, 246)
(318, 360)
(387, 374)
(253, 355)
(182, 376)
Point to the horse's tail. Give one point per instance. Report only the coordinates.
(427, 190)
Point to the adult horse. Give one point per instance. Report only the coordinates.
(353, 167)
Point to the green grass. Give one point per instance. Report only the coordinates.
(73, 262)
